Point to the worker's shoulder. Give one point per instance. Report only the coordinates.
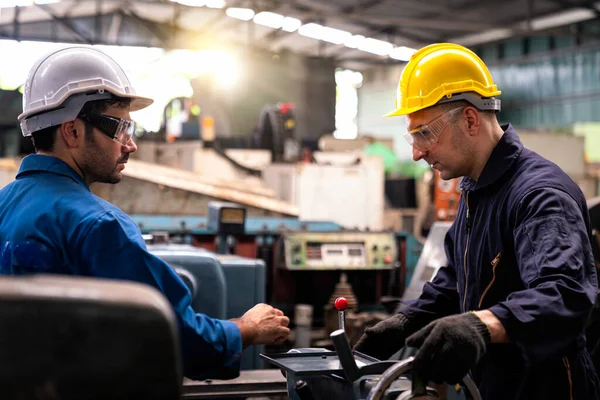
(88, 208)
(536, 173)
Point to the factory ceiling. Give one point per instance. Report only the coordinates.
(360, 32)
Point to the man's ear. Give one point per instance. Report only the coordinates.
(473, 120)
(70, 134)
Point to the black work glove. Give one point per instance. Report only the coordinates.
(385, 338)
(449, 347)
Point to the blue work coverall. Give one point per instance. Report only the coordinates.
(520, 247)
(51, 223)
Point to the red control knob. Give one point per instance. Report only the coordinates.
(341, 303)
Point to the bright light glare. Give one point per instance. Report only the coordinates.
(311, 30)
(215, 3)
(245, 14)
(291, 24)
(335, 36)
(224, 67)
(272, 20)
(402, 53)
(354, 41)
(375, 46)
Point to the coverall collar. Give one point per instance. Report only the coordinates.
(502, 158)
(44, 163)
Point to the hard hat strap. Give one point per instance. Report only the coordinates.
(479, 102)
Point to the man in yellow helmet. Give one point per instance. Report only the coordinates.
(511, 304)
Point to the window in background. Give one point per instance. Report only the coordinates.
(346, 103)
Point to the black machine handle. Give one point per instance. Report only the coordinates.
(345, 355)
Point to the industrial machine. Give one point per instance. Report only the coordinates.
(303, 261)
(222, 286)
(314, 374)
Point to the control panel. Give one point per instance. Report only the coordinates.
(339, 250)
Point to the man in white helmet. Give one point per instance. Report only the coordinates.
(76, 108)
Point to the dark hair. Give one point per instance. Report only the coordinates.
(44, 139)
(97, 107)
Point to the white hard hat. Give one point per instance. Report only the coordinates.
(61, 82)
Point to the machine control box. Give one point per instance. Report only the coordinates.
(339, 250)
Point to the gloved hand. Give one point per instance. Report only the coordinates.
(385, 338)
(449, 347)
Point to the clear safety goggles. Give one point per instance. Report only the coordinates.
(119, 130)
(425, 136)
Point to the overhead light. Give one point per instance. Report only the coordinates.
(311, 30)
(245, 14)
(215, 3)
(553, 20)
(270, 19)
(375, 46)
(190, 3)
(354, 41)
(335, 36)
(566, 17)
(488, 36)
(290, 24)
(402, 53)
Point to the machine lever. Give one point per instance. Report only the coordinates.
(341, 304)
(345, 355)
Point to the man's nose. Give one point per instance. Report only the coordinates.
(418, 154)
(130, 147)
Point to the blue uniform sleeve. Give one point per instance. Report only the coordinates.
(556, 266)
(113, 247)
(440, 296)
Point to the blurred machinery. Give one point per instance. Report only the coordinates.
(283, 262)
(347, 188)
(275, 131)
(433, 256)
(446, 196)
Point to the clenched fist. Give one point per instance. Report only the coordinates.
(263, 324)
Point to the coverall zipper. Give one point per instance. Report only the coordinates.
(570, 380)
(495, 263)
(466, 251)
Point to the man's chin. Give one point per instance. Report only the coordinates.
(447, 175)
(116, 178)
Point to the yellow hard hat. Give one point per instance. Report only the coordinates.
(444, 72)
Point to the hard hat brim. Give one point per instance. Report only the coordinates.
(139, 102)
(402, 111)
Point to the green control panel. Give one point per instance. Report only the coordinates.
(339, 250)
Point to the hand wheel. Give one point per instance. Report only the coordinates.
(419, 390)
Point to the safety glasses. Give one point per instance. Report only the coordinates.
(119, 130)
(426, 136)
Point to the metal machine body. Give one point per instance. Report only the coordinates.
(222, 286)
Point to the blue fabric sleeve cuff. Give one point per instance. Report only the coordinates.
(234, 344)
